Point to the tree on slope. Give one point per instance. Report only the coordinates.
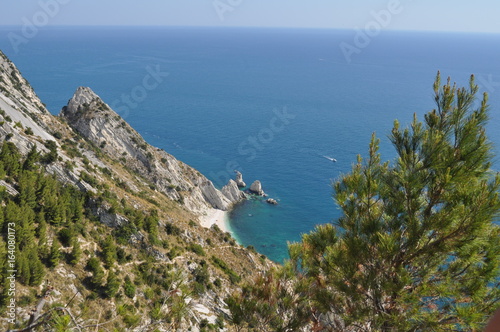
(416, 247)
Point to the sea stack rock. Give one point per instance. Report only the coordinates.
(239, 180)
(256, 188)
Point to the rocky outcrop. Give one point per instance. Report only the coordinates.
(26, 123)
(232, 192)
(213, 196)
(15, 87)
(9, 188)
(239, 180)
(106, 216)
(256, 188)
(272, 201)
(87, 114)
(17, 93)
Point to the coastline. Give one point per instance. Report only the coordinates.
(217, 217)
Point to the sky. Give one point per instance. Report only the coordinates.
(419, 15)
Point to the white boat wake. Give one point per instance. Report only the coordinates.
(330, 158)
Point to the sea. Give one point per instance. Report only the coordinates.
(292, 108)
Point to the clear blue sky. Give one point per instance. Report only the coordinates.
(439, 15)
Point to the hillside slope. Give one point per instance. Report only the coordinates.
(107, 227)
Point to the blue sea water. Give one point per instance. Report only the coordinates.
(273, 103)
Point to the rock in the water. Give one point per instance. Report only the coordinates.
(256, 188)
(232, 192)
(272, 201)
(239, 180)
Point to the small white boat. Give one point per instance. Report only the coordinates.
(330, 158)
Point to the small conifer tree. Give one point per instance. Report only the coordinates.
(76, 252)
(55, 253)
(112, 284)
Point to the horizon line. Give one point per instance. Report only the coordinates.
(241, 27)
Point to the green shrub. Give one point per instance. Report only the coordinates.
(233, 276)
(197, 249)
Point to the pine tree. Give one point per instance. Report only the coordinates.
(109, 251)
(41, 229)
(36, 267)
(75, 206)
(76, 252)
(13, 216)
(270, 303)
(52, 155)
(112, 284)
(41, 233)
(10, 157)
(416, 247)
(151, 226)
(2, 170)
(4, 293)
(66, 235)
(2, 216)
(4, 282)
(22, 267)
(25, 227)
(32, 157)
(55, 253)
(48, 192)
(129, 287)
(27, 189)
(94, 266)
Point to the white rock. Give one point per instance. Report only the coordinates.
(10, 189)
(256, 188)
(232, 192)
(239, 180)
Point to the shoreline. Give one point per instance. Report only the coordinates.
(217, 217)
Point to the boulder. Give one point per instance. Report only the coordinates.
(256, 188)
(272, 201)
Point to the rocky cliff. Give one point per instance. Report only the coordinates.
(142, 198)
(26, 122)
(87, 114)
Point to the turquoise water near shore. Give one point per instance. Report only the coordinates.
(273, 103)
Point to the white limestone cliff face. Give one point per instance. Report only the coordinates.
(17, 93)
(25, 122)
(232, 192)
(87, 114)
